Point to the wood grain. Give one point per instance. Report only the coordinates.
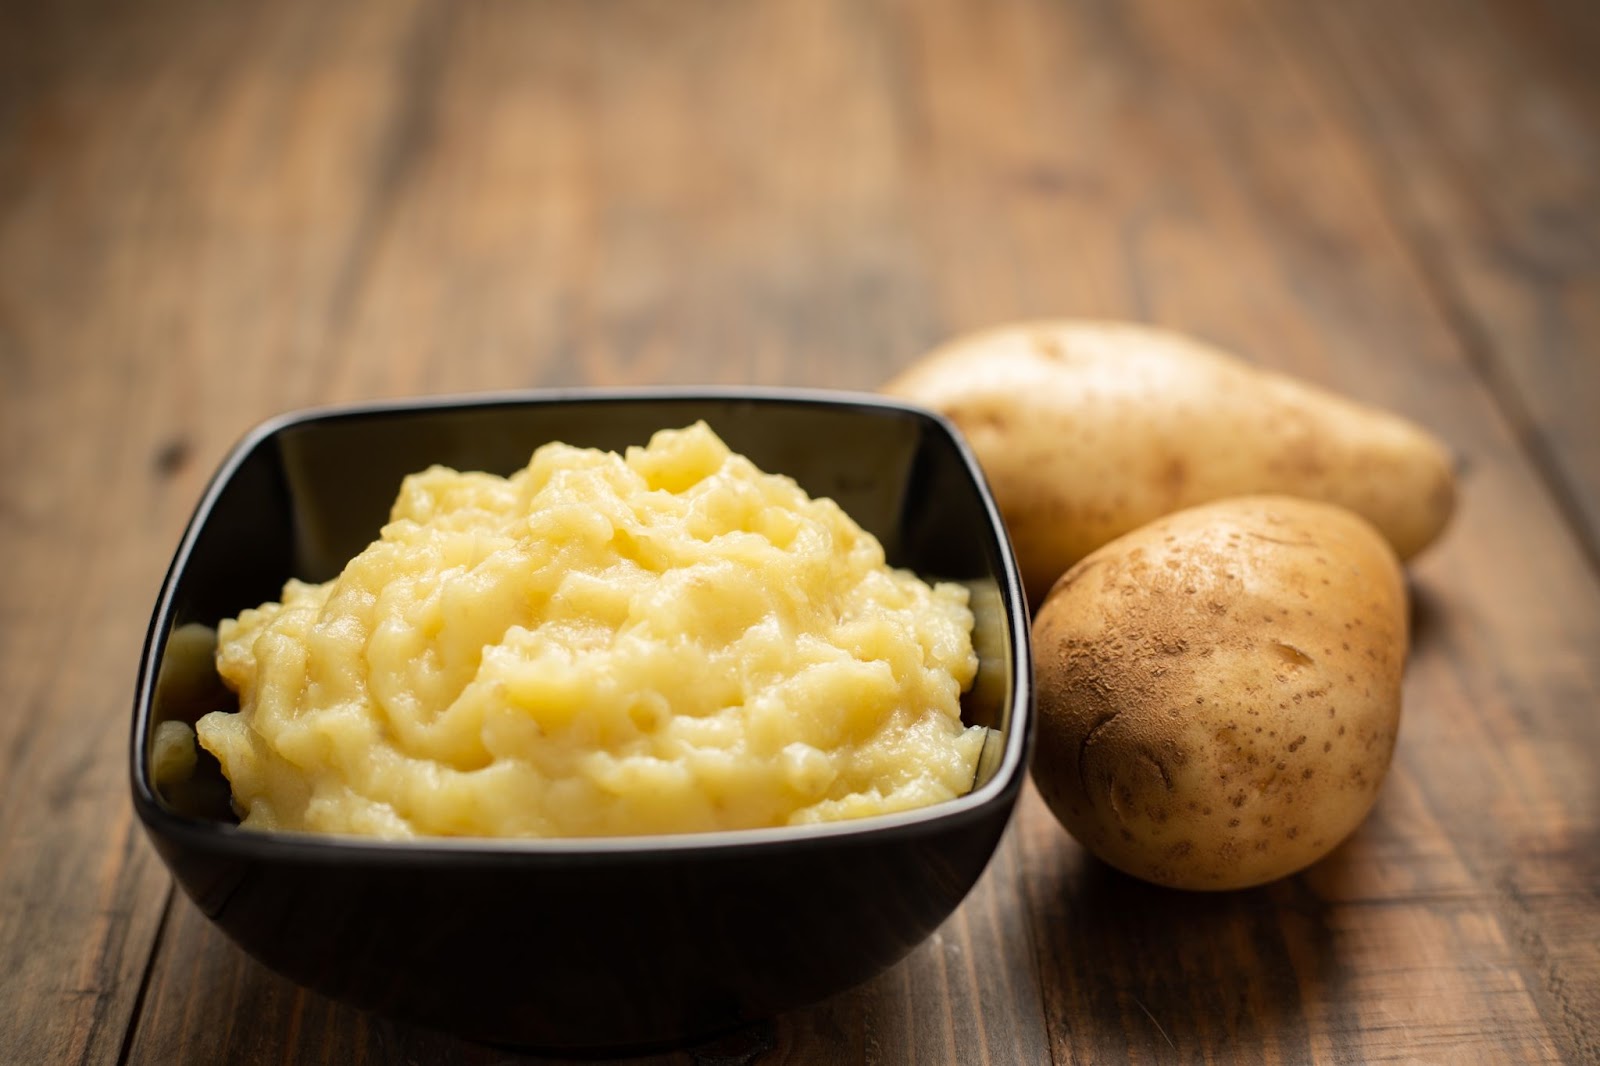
(212, 213)
(1480, 122)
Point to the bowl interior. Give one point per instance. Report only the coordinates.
(306, 493)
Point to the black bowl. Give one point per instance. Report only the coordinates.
(597, 943)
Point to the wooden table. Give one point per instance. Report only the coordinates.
(210, 213)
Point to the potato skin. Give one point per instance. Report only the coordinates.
(1087, 430)
(1219, 691)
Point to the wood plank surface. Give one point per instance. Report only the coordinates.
(1480, 121)
(213, 213)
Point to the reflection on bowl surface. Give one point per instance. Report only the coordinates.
(597, 943)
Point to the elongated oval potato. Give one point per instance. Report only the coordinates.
(1087, 430)
(1219, 691)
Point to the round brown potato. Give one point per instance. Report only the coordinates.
(1219, 691)
(1087, 430)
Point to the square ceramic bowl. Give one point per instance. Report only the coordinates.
(593, 944)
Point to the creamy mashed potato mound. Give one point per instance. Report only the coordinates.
(667, 641)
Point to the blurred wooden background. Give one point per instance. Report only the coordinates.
(210, 213)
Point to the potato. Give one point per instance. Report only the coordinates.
(1087, 430)
(1219, 691)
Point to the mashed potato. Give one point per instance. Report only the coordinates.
(667, 641)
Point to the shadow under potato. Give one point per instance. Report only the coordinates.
(1426, 615)
(1135, 971)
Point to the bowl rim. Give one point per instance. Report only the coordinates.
(1001, 788)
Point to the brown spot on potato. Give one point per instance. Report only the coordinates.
(171, 457)
(1278, 540)
(1291, 654)
(1048, 346)
(974, 421)
(1174, 476)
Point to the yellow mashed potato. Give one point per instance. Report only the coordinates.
(667, 641)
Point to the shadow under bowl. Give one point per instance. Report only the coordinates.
(591, 944)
